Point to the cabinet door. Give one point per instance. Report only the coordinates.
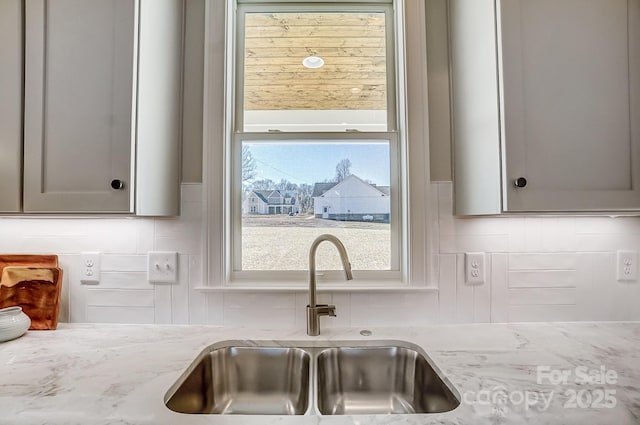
(10, 105)
(79, 104)
(570, 73)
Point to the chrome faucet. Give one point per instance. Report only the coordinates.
(314, 311)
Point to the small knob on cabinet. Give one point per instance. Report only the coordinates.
(117, 184)
(520, 182)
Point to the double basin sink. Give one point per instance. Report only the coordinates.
(340, 378)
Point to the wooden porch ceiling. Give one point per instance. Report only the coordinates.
(352, 46)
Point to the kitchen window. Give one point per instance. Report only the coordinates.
(314, 144)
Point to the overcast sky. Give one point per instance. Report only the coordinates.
(314, 162)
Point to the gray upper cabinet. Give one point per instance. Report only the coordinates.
(10, 106)
(79, 105)
(546, 105)
(91, 106)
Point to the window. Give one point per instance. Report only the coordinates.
(315, 137)
(285, 171)
(311, 187)
(295, 61)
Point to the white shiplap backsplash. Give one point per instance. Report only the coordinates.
(538, 269)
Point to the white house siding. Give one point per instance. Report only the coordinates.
(277, 203)
(353, 200)
(254, 205)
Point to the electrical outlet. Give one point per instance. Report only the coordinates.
(474, 267)
(90, 266)
(627, 266)
(162, 266)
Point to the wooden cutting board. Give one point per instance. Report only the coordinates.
(33, 282)
(28, 261)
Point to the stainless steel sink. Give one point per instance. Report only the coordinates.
(379, 380)
(298, 378)
(245, 380)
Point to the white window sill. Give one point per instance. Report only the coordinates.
(237, 288)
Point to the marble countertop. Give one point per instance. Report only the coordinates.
(556, 373)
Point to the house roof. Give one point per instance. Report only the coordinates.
(384, 189)
(320, 189)
(267, 196)
(263, 195)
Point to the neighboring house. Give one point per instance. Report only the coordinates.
(271, 202)
(352, 199)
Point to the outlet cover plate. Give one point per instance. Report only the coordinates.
(90, 267)
(474, 267)
(627, 266)
(162, 266)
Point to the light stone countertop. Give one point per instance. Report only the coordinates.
(119, 374)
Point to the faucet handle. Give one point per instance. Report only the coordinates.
(326, 310)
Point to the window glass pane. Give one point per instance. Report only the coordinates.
(315, 71)
(294, 191)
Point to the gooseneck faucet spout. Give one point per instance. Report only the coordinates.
(314, 310)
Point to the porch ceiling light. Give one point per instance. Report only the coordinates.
(313, 62)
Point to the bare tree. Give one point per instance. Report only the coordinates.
(286, 185)
(264, 184)
(304, 195)
(248, 165)
(343, 170)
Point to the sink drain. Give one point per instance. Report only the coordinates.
(366, 332)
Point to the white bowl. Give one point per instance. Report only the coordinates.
(13, 323)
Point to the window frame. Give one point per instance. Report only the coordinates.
(419, 269)
(397, 251)
(237, 275)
